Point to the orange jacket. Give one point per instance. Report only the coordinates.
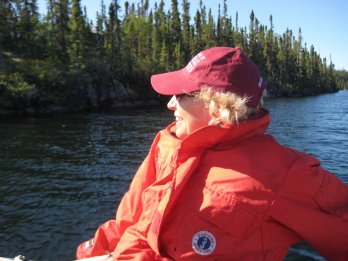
(230, 193)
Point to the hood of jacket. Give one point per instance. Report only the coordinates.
(222, 136)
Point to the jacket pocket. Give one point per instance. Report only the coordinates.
(222, 209)
(333, 196)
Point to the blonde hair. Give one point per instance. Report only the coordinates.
(225, 107)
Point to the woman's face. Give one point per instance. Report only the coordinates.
(190, 114)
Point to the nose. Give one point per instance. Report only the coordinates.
(171, 105)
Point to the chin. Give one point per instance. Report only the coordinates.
(180, 135)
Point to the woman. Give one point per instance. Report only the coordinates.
(214, 186)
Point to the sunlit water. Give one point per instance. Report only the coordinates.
(62, 176)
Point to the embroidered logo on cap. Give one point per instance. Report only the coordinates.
(193, 63)
(203, 243)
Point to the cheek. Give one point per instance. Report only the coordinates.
(195, 116)
(200, 118)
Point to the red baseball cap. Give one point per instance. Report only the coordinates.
(223, 69)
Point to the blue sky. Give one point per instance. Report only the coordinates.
(324, 23)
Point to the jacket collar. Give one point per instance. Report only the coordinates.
(213, 136)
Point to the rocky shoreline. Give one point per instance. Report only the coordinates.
(84, 98)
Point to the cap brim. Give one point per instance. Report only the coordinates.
(172, 83)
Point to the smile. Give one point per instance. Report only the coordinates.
(178, 118)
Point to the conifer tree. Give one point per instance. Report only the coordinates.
(175, 23)
(8, 25)
(332, 79)
(314, 70)
(27, 27)
(304, 69)
(113, 37)
(254, 49)
(186, 30)
(144, 41)
(57, 21)
(100, 31)
(209, 32)
(164, 57)
(77, 36)
(272, 49)
(226, 33)
(161, 36)
(197, 31)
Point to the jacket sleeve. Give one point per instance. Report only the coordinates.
(314, 203)
(129, 211)
(133, 246)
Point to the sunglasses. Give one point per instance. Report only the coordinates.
(183, 95)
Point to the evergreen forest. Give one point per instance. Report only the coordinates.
(64, 59)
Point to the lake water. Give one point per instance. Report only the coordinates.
(62, 176)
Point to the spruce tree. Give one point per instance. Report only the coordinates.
(100, 31)
(57, 23)
(8, 25)
(77, 36)
(27, 27)
(186, 30)
(114, 37)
